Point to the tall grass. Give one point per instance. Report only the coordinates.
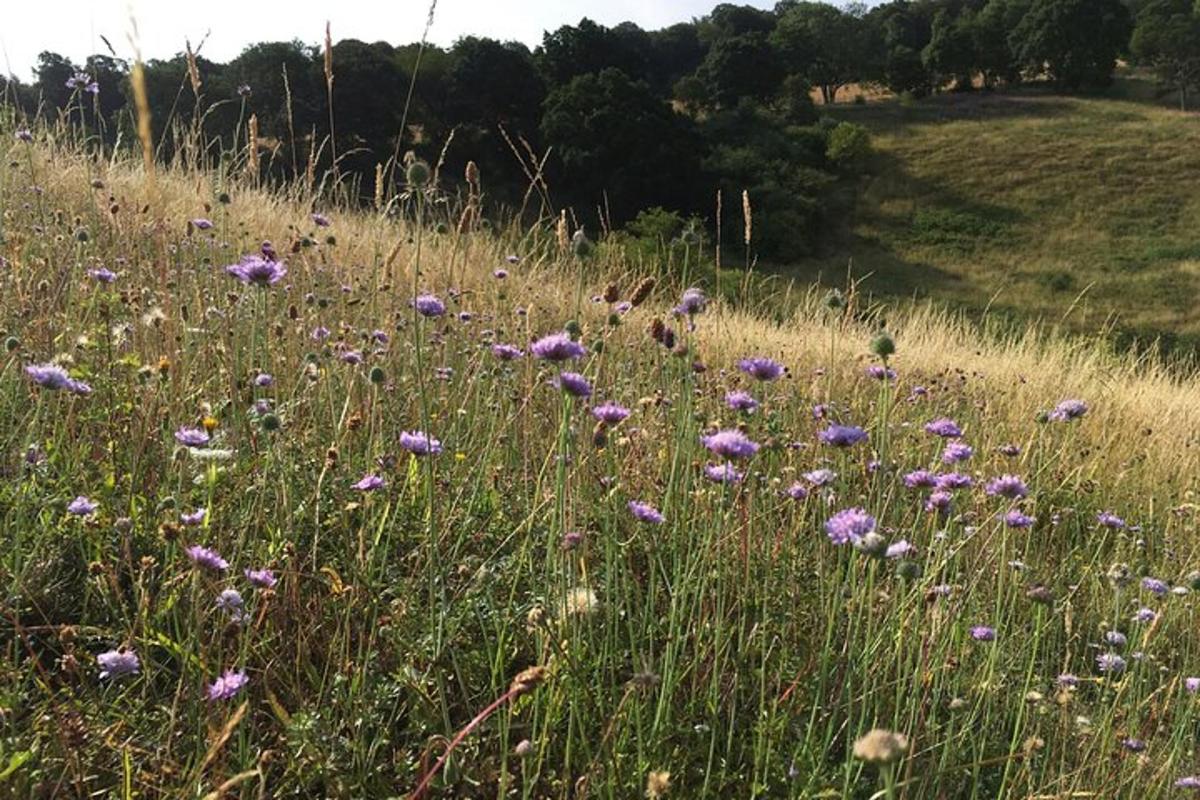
(731, 651)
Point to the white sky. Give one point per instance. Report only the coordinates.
(74, 27)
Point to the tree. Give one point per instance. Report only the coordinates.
(490, 82)
(741, 66)
(950, 54)
(1075, 41)
(1167, 36)
(619, 145)
(585, 48)
(828, 46)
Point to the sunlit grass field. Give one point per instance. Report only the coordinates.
(307, 528)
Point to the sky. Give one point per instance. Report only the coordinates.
(74, 28)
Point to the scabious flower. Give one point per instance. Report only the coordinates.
(939, 501)
(741, 401)
(55, 378)
(1009, 450)
(428, 305)
(842, 435)
(81, 80)
(82, 506)
(797, 491)
(645, 512)
(1192, 685)
(1068, 410)
(320, 333)
(24, 135)
(920, 478)
(202, 224)
(507, 352)
(230, 600)
(1110, 520)
(1015, 519)
(261, 578)
(420, 443)
(982, 633)
(1009, 486)
(957, 452)
(1116, 638)
(369, 483)
(692, 303)
(320, 220)
(117, 663)
(574, 384)
(205, 558)
(820, 477)
(258, 270)
(730, 444)
(499, 274)
(1066, 679)
(1144, 615)
(228, 685)
(1110, 663)
(1155, 586)
(195, 517)
(1188, 782)
(722, 473)
(610, 413)
(880, 373)
(849, 526)
(192, 437)
(898, 549)
(761, 368)
(102, 274)
(944, 427)
(557, 347)
(949, 481)
(1133, 745)
(264, 380)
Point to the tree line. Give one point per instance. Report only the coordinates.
(611, 121)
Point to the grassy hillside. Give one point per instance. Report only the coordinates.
(1037, 206)
(493, 615)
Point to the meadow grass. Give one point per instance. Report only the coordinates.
(1029, 204)
(491, 616)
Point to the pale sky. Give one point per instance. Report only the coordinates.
(74, 27)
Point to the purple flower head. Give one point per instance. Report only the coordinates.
(1009, 450)
(1110, 663)
(369, 483)
(820, 477)
(982, 633)
(722, 473)
(1192, 685)
(420, 443)
(230, 600)
(842, 435)
(692, 303)
(557, 347)
(741, 401)
(1110, 520)
(920, 478)
(244, 90)
(957, 452)
(205, 558)
(797, 491)
(320, 333)
(574, 384)
(1188, 782)
(226, 686)
(1133, 745)
(1009, 486)
(428, 306)
(202, 224)
(320, 220)
(262, 578)
(257, 270)
(849, 526)
(1068, 410)
(81, 506)
(116, 663)
(730, 444)
(944, 427)
(610, 413)
(102, 274)
(1067, 679)
(1144, 615)
(939, 501)
(192, 437)
(1116, 638)
(507, 352)
(898, 549)
(500, 274)
(1015, 519)
(81, 80)
(880, 373)
(263, 380)
(645, 512)
(55, 378)
(761, 368)
(949, 481)
(194, 518)
(24, 135)
(351, 357)
(1155, 586)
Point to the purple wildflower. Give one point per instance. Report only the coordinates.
(202, 224)
(55, 378)
(842, 435)
(849, 525)
(880, 373)
(1116, 638)
(939, 501)
(1144, 615)
(722, 473)
(1009, 450)
(1155, 586)
(24, 135)
(262, 578)
(320, 220)
(797, 491)
(948, 481)
(192, 437)
(257, 270)
(102, 274)
(1110, 520)
(263, 380)
(1192, 685)
(1009, 486)
(1133, 745)
(1067, 679)
(982, 633)
(730, 444)
(957, 452)
(557, 347)
(117, 663)
(919, 478)
(760, 367)
(574, 384)
(610, 413)
(1188, 782)
(1110, 663)
(230, 600)
(500, 274)
(692, 303)
(645, 512)
(228, 685)
(741, 401)
(1068, 410)
(1015, 519)
(820, 477)
(944, 427)
(194, 518)
(428, 305)
(207, 559)
(320, 333)
(351, 357)
(898, 549)
(369, 483)
(420, 443)
(81, 506)
(507, 352)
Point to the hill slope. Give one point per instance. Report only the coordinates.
(1028, 201)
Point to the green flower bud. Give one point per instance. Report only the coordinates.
(417, 173)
